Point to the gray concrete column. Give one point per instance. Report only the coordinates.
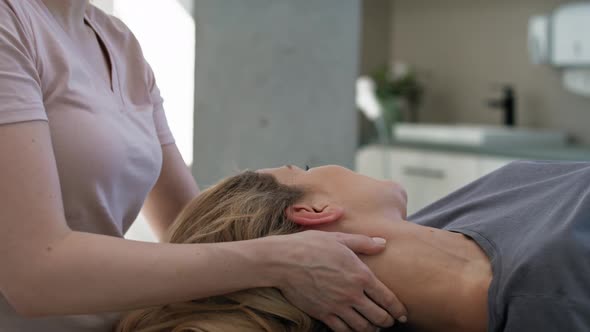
(274, 84)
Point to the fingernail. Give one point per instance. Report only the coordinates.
(380, 240)
(403, 319)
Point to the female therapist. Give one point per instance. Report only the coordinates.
(84, 147)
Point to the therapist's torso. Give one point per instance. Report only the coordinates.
(107, 140)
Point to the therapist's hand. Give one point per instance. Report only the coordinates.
(321, 274)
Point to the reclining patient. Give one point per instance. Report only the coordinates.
(509, 252)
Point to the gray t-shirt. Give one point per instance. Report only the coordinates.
(533, 221)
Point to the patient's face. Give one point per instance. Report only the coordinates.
(356, 193)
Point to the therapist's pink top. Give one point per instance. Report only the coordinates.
(107, 142)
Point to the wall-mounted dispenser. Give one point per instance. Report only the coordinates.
(562, 39)
(570, 35)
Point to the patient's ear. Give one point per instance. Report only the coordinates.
(309, 215)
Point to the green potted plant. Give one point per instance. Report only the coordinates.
(400, 94)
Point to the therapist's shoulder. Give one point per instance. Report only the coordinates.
(13, 7)
(108, 23)
(118, 35)
(17, 18)
(14, 11)
(115, 30)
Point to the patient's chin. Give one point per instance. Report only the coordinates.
(396, 197)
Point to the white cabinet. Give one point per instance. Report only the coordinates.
(426, 175)
(373, 161)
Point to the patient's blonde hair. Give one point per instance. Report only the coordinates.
(244, 207)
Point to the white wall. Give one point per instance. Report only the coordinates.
(106, 5)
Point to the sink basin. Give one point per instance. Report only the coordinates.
(475, 135)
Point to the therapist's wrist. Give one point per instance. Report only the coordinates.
(287, 260)
(264, 260)
(273, 260)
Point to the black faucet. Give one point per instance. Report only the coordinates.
(507, 103)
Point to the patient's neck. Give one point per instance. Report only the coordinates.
(441, 277)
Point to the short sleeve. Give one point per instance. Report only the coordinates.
(532, 314)
(21, 96)
(162, 129)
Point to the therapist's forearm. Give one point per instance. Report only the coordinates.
(88, 273)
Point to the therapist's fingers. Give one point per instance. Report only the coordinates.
(362, 244)
(336, 324)
(380, 297)
(380, 294)
(377, 315)
(357, 322)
